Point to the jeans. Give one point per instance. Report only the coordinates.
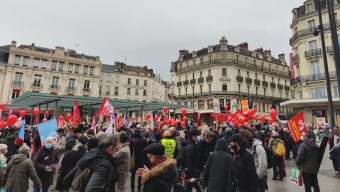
(278, 167)
(310, 180)
(295, 149)
(288, 149)
(43, 189)
(133, 175)
(263, 184)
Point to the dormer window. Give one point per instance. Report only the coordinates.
(309, 8)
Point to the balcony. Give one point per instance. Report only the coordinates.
(107, 93)
(179, 84)
(296, 59)
(36, 86)
(313, 53)
(201, 80)
(313, 77)
(193, 82)
(70, 90)
(18, 84)
(265, 83)
(257, 82)
(86, 91)
(186, 82)
(239, 79)
(280, 86)
(287, 88)
(54, 88)
(272, 85)
(209, 78)
(249, 80)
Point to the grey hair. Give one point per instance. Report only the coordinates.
(108, 140)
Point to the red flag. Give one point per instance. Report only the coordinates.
(106, 108)
(297, 126)
(76, 114)
(240, 117)
(94, 124)
(61, 121)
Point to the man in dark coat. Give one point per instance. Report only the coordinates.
(245, 171)
(100, 162)
(162, 176)
(205, 147)
(137, 146)
(218, 170)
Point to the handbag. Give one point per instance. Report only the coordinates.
(296, 177)
(133, 159)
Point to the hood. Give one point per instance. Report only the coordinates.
(311, 143)
(18, 158)
(93, 157)
(257, 142)
(163, 168)
(221, 145)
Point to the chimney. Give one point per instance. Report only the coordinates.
(210, 49)
(268, 53)
(243, 45)
(14, 43)
(183, 52)
(282, 58)
(223, 44)
(194, 54)
(259, 50)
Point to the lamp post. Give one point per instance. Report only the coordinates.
(325, 63)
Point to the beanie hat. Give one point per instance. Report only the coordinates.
(19, 141)
(155, 149)
(24, 149)
(82, 139)
(237, 138)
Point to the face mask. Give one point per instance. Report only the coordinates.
(48, 145)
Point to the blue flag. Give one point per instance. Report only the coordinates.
(47, 129)
(22, 129)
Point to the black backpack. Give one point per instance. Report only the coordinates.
(80, 180)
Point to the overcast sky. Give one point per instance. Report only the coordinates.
(147, 32)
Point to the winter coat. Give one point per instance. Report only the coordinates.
(190, 159)
(218, 170)
(273, 142)
(60, 146)
(260, 158)
(19, 170)
(307, 157)
(68, 162)
(3, 160)
(161, 177)
(43, 158)
(122, 161)
(137, 146)
(10, 146)
(104, 173)
(245, 171)
(204, 149)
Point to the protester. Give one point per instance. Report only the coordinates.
(245, 170)
(278, 163)
(169, 144)
(218, 171)
(10, 142)
(60, 146)
(307, 161)
(289, 142)
(332, 140)
(20, 169)
(122, 161)
(205, 147)
(3, 152)
(17, 144)
(27, 137)
(162, 176)
(92, 143)
(45, 162)
(260, 159)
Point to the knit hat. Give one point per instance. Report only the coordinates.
(24, 149)
(155, 149)
(82, 139)
(237, 138)
(19, 141)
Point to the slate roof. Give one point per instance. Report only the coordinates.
(4, 54)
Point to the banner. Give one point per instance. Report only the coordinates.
(47, 129)
(240, 117)
(297, 126)
(245, 106)
(106, 108)
(292, 73)
(221, 117)
(76, 114)
(61, 121)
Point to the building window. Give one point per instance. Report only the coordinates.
(201, 90)
(76, 68)
(201, 74)
(129, 81)
(70, 67)
(192, 104)
(200, 104)
(86, 68)
(116, 91)
(86, 85)
(37, 80)
(137, 81)
(17, 60)
(246, 60)
(255, 75)
(186, 92)
(18, 77)
(224, 71)
(179, 91)
(71, 83)
(264, 91)
(136, 92)
(257, 90)
(313, 45)
(264, 77)
(36, 63)
(15, 93)
(318, 92)
(55, 83)
(193, 76)
(224, 56)
(193, 91)
(61, 66)
(91, 70)
(272, 79)
(224, 87)
(128, 91)
(145, 83)
(209, 72)
(209, 88)
(210, 103)
(315, 68)
(26, 60)
(237, 58)
(238, 72)
(248, 74)
(201, 60)
(335, 91)
(54, 65)
(210, 59)
(310, 8)
(144, 92)
(311, 25)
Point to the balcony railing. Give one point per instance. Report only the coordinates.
(239, 79)
(192, 81)
(272, 85)
(209, 78)
(54, 88)
(86, 91)
(107, 93)
(313, 52)
(313, 77)
(179, 84)
(280, 86)
(249, 80)
(18, 84)
(70, 90)
(186, 82)
(201, 80)
(36, 86)
(296, 59)
(265, 83)
(257, 82)
(287, 88)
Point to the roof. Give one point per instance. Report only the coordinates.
(30, 99)
(4, 53)
(110, 68)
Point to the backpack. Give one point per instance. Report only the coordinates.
(279, 150)
(80, 180)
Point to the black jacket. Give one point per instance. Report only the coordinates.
(45, 157)
(137, 146)
(104, 173)
(204, 149)
(218, 170)
(245, 172)
(161, 177)
(190, 159)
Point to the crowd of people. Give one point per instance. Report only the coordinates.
(227, 158)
